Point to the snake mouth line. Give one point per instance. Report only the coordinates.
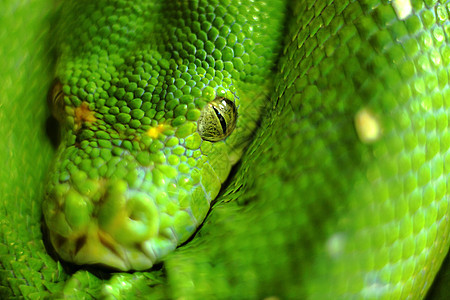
(111, 255)
(122, 228)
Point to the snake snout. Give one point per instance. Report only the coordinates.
(116, 226)
(128, 216)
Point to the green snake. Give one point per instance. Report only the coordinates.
(225, 149)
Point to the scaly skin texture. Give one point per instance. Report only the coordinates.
(133, 178)
(342, 193)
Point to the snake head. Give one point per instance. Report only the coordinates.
(132, 179)
(155, 105)
(136, 171)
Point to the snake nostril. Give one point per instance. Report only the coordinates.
(134, 216)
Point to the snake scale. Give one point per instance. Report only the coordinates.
(330, 116)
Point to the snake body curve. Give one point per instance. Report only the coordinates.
(342, 192)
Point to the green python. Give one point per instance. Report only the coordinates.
(337, 112)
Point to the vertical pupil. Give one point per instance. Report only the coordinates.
(221, 120)
(57, 95)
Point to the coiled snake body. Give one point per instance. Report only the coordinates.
(336, 110)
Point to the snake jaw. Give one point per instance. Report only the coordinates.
(124, 230)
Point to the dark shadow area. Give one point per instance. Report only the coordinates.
(440, 289)
(53, 130)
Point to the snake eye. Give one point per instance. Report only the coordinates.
(217, 120)
(56, 100)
